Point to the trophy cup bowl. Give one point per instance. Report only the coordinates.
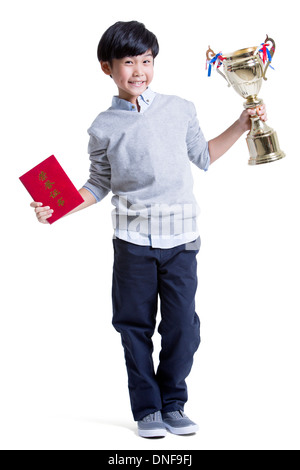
(245, 71)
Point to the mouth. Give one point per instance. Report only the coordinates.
(137, 83)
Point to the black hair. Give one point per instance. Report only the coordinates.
(124, 39)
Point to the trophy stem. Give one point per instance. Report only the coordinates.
(252, 102)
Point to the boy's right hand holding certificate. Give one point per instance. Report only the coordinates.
(43, 213)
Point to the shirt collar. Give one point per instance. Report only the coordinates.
(144, 100)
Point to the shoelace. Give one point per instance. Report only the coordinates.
(152, 417)
(177, 414)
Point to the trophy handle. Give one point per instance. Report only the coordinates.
(209, 55)
(272, 52)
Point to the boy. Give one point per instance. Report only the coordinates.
(140, 149)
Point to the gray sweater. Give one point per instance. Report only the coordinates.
(144, 159)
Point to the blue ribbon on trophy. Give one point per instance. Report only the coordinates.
(216, 60)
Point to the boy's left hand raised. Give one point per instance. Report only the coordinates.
(245, 120)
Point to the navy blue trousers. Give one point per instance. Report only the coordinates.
(140, 275)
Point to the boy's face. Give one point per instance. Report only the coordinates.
(132, 75)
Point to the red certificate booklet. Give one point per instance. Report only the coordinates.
(48, 183)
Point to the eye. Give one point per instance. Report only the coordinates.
(128, 62)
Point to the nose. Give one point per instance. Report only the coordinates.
(138, 71)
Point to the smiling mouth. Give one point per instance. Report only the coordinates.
(140, 83)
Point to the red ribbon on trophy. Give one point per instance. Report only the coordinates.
(265, 54)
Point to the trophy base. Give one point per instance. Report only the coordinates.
(263, 144)
(271, 157)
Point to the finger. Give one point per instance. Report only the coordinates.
(36, 204)
(43, 215)
(261, 109)
(262, 113)
(38, 210)
(44, 219)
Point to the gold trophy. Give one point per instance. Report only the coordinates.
(245, 70)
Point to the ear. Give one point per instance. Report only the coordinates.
(106, 68)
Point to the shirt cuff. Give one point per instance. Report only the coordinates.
(207, 164)
(95, 191)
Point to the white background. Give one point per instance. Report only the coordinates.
(63, 379)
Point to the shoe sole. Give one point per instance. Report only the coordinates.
(183, 431)
(152, 432)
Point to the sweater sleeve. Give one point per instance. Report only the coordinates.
(99, 182)
(196, 144)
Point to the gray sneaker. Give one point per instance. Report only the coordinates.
(152, 426)
(178, 423)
